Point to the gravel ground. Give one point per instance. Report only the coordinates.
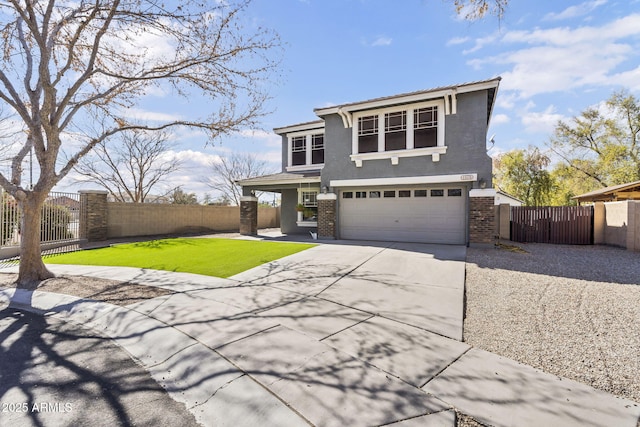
(572, 311)
(109, 291)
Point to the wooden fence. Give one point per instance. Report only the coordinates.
(571, 225)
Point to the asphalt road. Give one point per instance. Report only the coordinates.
(54, 373)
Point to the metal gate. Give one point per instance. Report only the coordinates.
(60, 219)
(571, 225)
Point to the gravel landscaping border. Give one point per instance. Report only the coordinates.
(93, 288)
(572, 311)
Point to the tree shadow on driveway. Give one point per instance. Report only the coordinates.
(58, 373)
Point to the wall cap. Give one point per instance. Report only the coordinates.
(248, 199)
(93, 192)
(483, 192)
(327, 196)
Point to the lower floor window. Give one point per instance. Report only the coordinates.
(308, 205)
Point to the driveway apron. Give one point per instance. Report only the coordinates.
(344, 333)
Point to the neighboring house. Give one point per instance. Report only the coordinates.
(628, 191)
(502, 198)
(410, 167)
(68, 202)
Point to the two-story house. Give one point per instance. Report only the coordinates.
(410, 167)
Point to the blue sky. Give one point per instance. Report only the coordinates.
(556, 58)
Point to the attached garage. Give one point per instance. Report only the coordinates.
(425, 215)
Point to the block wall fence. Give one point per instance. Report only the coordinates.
(109, 220)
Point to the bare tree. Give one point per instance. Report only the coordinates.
(472, 10)
(225, 171)
(132, 167)
(71, 70)
(8, 134)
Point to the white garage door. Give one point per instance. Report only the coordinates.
(427, 215)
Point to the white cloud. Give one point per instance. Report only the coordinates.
(481, 42)
(274, 157)
(152, 116)
(575, 11)
(500, 119)
(269, 139)
(560, 59)
(506, 101)
(382, 41)
(457, 40)
(541, 122)
(190, 158)
(629, 79)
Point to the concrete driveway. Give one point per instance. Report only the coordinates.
(341, 334)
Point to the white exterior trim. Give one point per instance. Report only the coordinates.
(306, 133)
(307, 223)
(305, 127)
(302, 180)
(434, 152)
(408, 180)
(483, 192)
(327, 196)
(305, 168)
(409, 98)
(308, 147)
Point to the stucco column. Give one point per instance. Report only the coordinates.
(249, 216)
(482, 217)
(633, 225)
(327, 215)
(504, 219)
(93, 215)
(599, 223)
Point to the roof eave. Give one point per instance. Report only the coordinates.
(317, 124)
(410, 97)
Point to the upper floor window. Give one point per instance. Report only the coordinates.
(298, 150)
(306, 150)
(317, 149)
(425, 127)
(400, 131)
(395, 131)
(367, 134)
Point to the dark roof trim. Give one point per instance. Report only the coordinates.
(607, 191)
(412, 96)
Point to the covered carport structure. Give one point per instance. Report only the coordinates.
(614, 193)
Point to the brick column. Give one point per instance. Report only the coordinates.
(482, 217)
(327, 216)
(93, 215)
(249, 216)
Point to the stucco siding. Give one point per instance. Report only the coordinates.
(465, 138)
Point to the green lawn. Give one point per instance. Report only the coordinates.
(211, 257)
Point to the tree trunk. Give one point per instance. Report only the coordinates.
(32, 270)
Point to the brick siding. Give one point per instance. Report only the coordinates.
(249, 217)
(93, 216)
(326, 219)
(482, 224)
